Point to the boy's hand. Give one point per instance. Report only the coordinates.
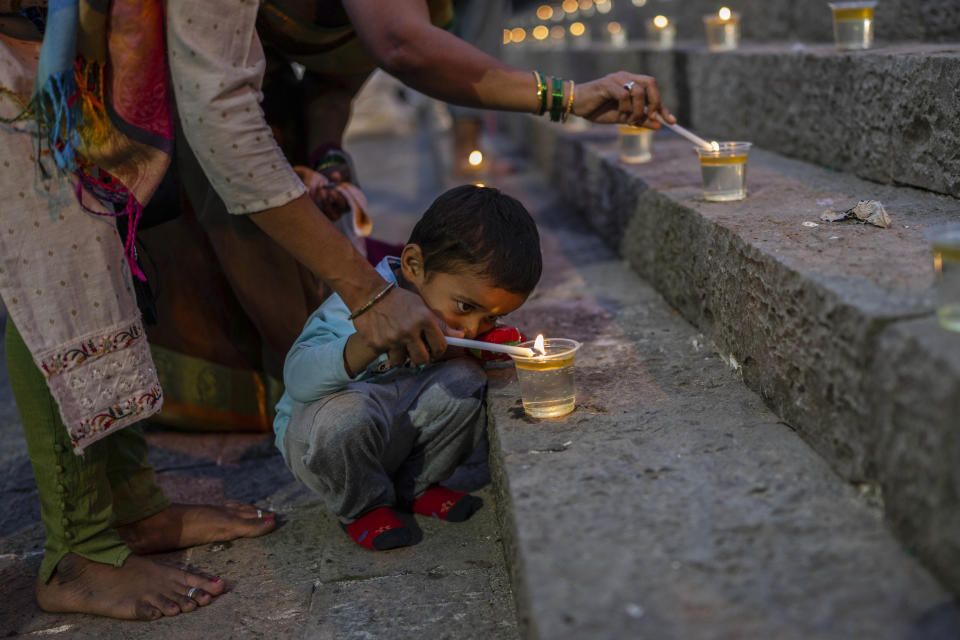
(621, 97)
(403, 326)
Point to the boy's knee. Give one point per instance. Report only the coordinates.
(344, 425)
(464, 378)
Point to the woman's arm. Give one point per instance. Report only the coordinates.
(399, 322)
(404, 43)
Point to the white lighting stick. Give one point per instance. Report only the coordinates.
(523, 352)
(692, 137)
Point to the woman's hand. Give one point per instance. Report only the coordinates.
(321, 190)
(621, 98)
(402, 325)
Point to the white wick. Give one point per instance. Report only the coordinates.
(695, 139)
(522, 352)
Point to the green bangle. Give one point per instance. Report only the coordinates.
(556, 107)
(374, 300)
(541, 92)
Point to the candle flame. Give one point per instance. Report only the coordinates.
(660, 22)
(715, 145)
(577, 29)
(540, 32)
(545, 12)
(538, 345)
(475, 158)
(725, 13)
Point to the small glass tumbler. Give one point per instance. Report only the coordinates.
(661, 37)
(724, 169)
(547, 387)
(853, 24)
(722, 35)
(636, 144)
(946, 266)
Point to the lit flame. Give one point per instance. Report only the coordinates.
(538, 345)
(506, 36)
(545, 12)
(540, 32)
(518, 34)
(479, 184)
(660, 22)
(725, 13)
(475, 158)
(570, 6)
(577, 29)
(715, 145)
(614, 27)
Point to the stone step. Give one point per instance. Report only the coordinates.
(888, 115)
(832, 325)
(672, 503)
(782, 20)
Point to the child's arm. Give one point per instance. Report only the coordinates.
(357, 354)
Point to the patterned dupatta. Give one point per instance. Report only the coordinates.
(90, 144)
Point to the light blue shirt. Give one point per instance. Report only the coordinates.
(314, 367)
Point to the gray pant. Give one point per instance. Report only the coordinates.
(383, 443)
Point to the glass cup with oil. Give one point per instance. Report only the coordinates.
(636, 144)
(946, 266)
(547, 387)
(724, 169)
(853, 25)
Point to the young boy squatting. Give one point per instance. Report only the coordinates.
(368, 438)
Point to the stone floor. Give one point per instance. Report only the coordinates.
(306, 579)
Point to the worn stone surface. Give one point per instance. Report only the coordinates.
(916, 388)
(796, 310)
(887, 115)
(672, 503)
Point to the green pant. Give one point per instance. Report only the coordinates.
(82, 498)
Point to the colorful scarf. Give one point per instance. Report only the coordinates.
(102, 102)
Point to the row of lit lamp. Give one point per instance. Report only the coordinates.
(852, 22)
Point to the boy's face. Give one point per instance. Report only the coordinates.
(465, 300)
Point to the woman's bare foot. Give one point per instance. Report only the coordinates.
(186, 525)
(139, 590)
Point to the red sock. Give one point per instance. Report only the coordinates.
(379, 529)
(446, 504)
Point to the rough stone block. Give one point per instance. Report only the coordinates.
(886, 115)
(798, 311)
(914, 384)
(671, 503)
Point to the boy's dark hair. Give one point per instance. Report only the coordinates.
(480, 227)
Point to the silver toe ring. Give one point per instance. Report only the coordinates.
(191, 592)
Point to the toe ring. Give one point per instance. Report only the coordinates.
(191, 591)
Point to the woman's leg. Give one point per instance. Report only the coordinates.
(76, 504)
(87, 566)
